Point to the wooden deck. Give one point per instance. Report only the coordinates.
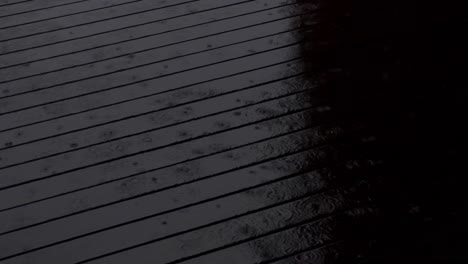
(141, 131)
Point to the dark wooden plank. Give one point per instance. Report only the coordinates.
(20, 7)
(126, 35)
(329, 253)
(168, 251)
(157, 17)
(93, 166)
(4, 3)
(262, 249)
(158, 137)
(73, 23)
(123, 167)
(294, 159)
(119, 80)
(124, 236)
(158, 42)
(151, 57)
(58, 129)
(170, 117)
(54, 13)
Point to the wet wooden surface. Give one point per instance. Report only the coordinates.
(164, 132)
(182, 131)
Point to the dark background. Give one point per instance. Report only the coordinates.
(398, 66)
